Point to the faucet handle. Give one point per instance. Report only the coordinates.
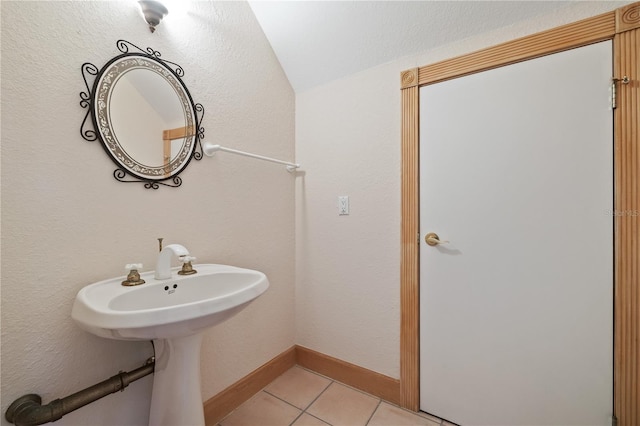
(187, 268)
(133, 266)
(134, 277)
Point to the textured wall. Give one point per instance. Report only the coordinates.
(66, 222)
(348, 138)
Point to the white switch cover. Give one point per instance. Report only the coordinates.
(343, 205)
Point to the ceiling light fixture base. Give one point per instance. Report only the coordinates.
(153, 12)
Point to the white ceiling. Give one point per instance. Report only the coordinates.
(319, 41)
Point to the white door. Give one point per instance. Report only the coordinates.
(516, 311)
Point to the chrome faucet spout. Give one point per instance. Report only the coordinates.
(163, 265)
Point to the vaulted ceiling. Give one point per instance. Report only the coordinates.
(319, 41)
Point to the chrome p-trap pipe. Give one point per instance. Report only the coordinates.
(28, 409)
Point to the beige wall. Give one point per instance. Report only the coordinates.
(66, 222)
(348, 139)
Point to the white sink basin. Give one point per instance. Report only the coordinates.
(162, 309)
(173, 313)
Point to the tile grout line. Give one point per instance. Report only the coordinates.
(316, 417)
(283, 400)
(315, 399)
(296, 419)
(349, 386)
(331, 381)
(374, 411)
(302, 410)
(344, 384)
(320, 394)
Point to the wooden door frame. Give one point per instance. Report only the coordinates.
(622, 26)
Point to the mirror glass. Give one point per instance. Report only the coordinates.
(145, 117)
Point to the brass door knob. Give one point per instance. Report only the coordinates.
(433, 240)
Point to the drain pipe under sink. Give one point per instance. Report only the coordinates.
(28, 409)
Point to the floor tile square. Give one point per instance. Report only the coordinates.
(307, 420)
(342, 405)
(388, 414)
(262, 409)
(298, 387)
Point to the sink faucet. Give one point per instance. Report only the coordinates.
(163, 266)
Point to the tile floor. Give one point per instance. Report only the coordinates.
(300, 397)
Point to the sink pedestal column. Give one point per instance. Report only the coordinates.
(176, 398)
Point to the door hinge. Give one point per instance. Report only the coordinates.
(614, 420)
(614, 89)
(418, 238)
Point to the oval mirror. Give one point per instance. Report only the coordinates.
(144, 116)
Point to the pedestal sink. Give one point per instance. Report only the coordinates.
(173, 313)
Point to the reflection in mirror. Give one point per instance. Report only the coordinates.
(173, 142)
(144, 116)
(142, 104)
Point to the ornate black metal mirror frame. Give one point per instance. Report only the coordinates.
(96, 101)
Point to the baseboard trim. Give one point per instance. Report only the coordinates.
(218, 406)
(353, 375)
